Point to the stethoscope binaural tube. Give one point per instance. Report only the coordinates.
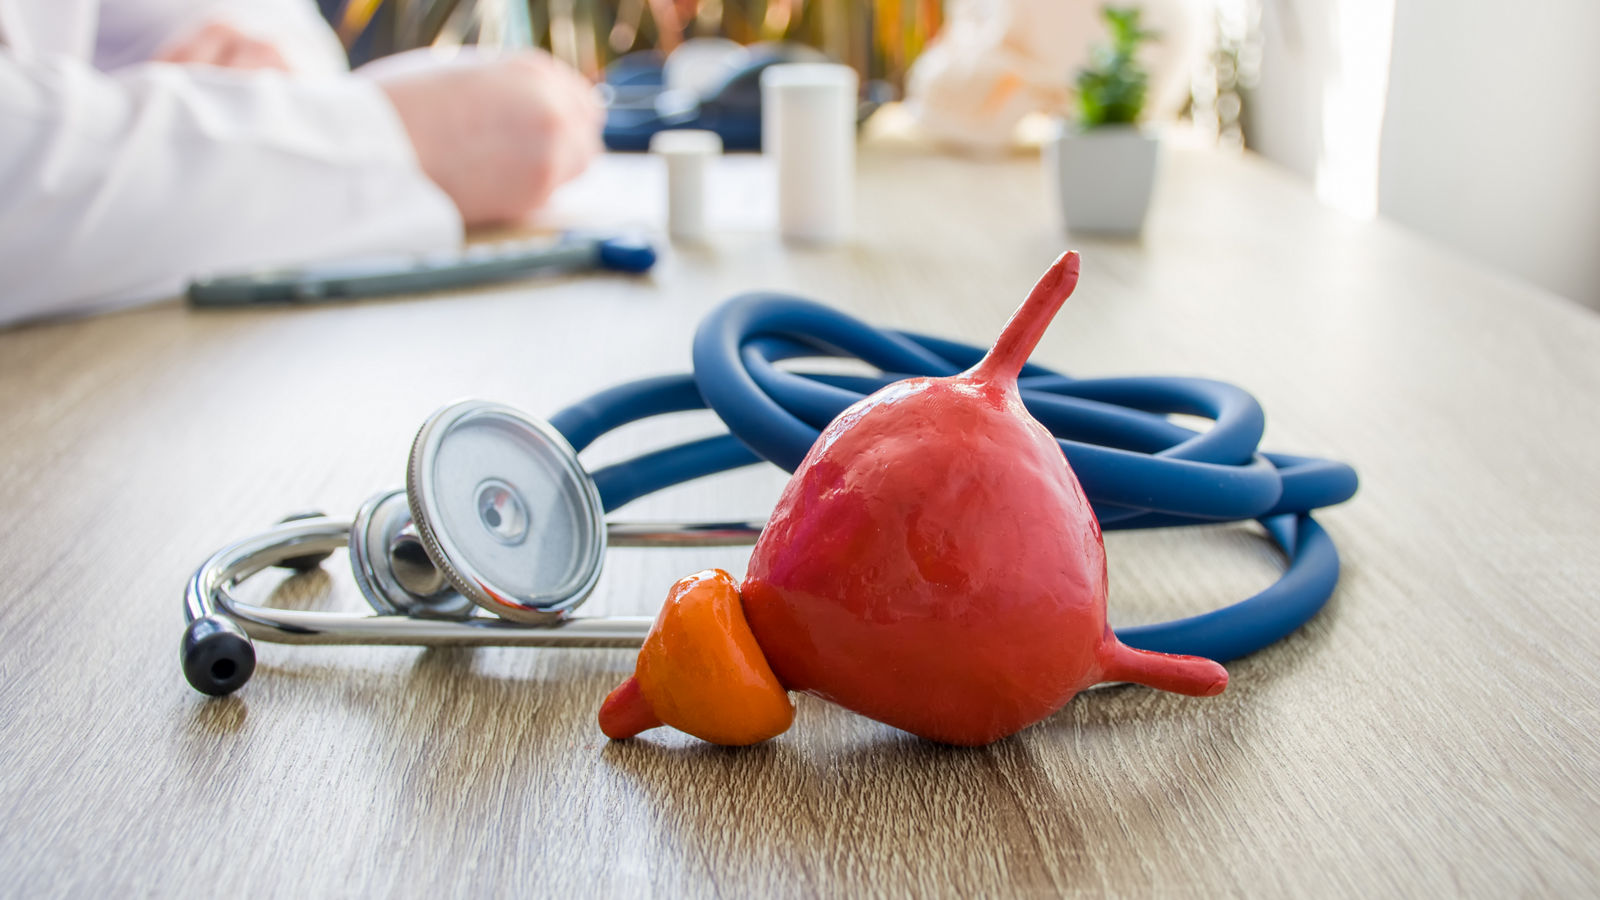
(218, 656)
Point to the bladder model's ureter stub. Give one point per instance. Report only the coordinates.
(688, 155)
(808, 129)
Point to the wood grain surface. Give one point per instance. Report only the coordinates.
(1432, 732)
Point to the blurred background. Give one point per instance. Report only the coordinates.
(1471, 121)
(878, 37)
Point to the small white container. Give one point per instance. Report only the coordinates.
(808, 129)
(1103, 177)
(688, 155)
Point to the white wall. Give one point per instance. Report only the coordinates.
(1491, 141)
(1319, 106)
(1283, 112)
(1476, 122)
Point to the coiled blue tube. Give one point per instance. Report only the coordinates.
(1138, 467)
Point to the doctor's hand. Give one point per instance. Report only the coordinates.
(497, 135)
(221, 44)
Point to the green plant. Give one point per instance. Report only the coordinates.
(1111, 90)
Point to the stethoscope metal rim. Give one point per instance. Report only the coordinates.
(477, 585)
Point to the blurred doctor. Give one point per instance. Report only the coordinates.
(143, 142)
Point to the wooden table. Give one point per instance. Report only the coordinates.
(1432, 732)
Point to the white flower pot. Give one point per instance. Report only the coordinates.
(1102, 177)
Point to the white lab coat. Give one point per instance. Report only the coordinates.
(120, 179)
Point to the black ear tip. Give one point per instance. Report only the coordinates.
(218, 657)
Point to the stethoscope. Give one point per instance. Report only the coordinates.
(500, 532)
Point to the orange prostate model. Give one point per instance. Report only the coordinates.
(933, 564)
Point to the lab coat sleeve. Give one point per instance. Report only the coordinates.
(117, 189)
(293, 26)
(134, 32)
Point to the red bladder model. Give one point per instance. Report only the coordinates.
(932, 564)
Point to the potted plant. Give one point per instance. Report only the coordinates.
(1103, 165)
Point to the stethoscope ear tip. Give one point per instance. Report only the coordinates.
(218, 657)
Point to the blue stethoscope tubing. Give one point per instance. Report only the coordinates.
(1138, 468)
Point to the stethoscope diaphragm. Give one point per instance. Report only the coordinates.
(497, 514)
(506, 511)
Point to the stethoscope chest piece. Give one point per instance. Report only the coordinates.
(392, 567)
(498, 503)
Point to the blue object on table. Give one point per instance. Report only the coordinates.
(638, 104)
(479, 264)
(1138, 467)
